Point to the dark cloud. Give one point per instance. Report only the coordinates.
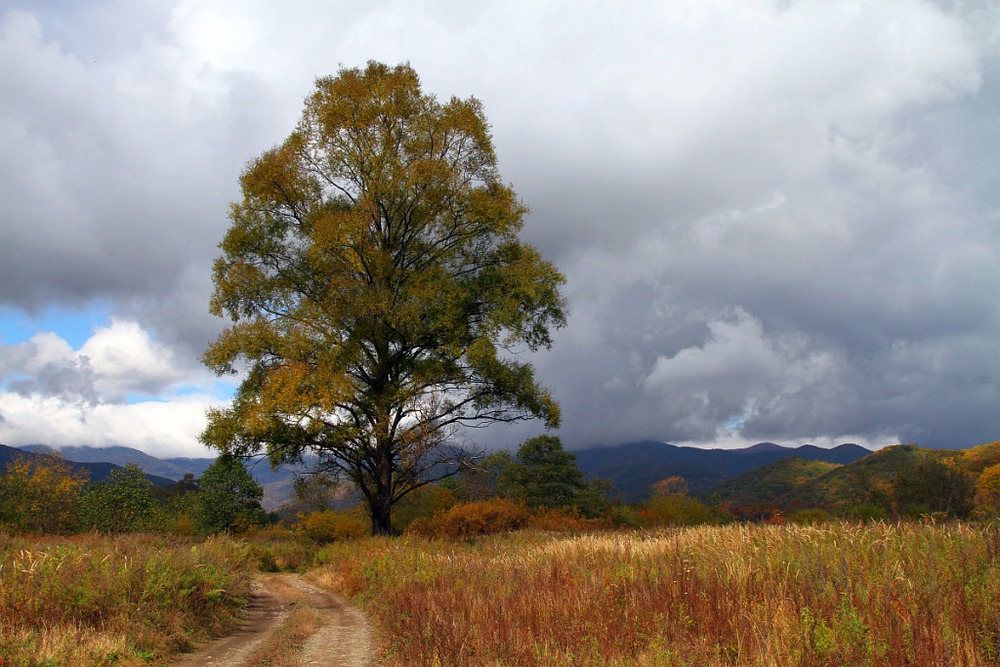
(777, 222)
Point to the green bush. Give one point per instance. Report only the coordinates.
(678, 510)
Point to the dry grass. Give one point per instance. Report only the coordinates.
(837, 594)
(126, 600)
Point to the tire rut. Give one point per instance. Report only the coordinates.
(343, 640)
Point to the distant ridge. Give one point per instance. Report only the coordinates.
(634, 467)
(796, 483)
(97, 471)
(122, 456)
(100, 461)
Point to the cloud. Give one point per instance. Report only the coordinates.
(120, 387)
(778, 221)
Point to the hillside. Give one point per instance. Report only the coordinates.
(771, 483)
(97, 471)
(634, 467)
(797, 484)
(100, 461)
(122, 456)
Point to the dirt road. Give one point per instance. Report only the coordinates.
(342, 640)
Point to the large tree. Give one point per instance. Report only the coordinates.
(378, 291)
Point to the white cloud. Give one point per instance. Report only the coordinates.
(120, 387)
(162, 429)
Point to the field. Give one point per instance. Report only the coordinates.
(834, 594)
(839, 594)
(91, 600)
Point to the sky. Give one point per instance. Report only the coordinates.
(778, 220)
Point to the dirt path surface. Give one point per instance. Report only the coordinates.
(343, 639)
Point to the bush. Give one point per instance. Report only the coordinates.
(564, 521)
(678, 510)
(463, 521)
(328, 526)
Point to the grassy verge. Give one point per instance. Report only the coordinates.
(837, 594)
(129, 600)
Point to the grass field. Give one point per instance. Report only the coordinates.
(838, 594)
(833, 594)
(93, 600)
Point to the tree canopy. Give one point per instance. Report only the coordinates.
(377, 289)
(229, 497)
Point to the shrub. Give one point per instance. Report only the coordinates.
(463, 521)
(563, 521)
(677, 510)
(327, 526)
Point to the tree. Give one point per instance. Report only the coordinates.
(377, 289)
(546, 475)
(229, 497)
(40, 493)
(122, 503)
(931, 485)
(988, 490)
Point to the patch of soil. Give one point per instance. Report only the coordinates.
(344, 640)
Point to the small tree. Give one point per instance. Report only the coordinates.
(122, 503)
(229, 497)
(40, 493)
(546, 475)
(375, 281)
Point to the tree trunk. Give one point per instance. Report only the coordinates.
(381, 516)
(381, 504)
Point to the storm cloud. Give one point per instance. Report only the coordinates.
(778, 220)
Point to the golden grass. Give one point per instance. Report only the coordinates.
(126, 600)
(836, 594)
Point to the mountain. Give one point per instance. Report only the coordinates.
(797, 483)
(97, 471)
(634, 467)
(770, 484)
(277, 484)
(122, 456)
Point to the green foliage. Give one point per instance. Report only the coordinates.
(931, 485)
(229, 497)
(423, 502)
(809, 517)
(40, 493)
(678, 510)
(480, 480)
(545, 475)
(373, 275)
(121, 504)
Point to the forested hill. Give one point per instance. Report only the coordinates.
(635, 466)
(97, 471)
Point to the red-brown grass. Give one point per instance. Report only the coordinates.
(836, 594)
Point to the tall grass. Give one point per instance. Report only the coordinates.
(127, 600)
(836, 594)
